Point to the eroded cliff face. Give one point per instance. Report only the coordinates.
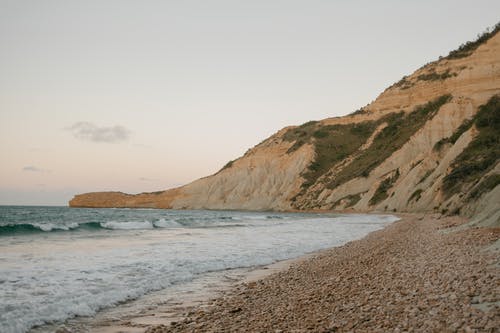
(398, 152)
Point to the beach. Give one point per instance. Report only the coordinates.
(88, 269)
(420, 274)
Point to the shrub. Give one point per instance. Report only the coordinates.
(461, 130)
(415, 195)
(482, 153)
(332, 144)
(384, 186)
(426, 175)
(488, 184)
(351, 198)
(403, 84)
(455, 136)
(400, 127)
(466, 49)
(358, 111)
(434, 76)
(227, 166)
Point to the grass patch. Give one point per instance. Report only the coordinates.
(351, 198)
(227, 166)
(488, 184)
(440, 144)
(332, 144)
(462, 51)
(301, 135)
(434, 76)
(466, 49)
(425, 176)
(482, 153)
(384, 186)
(403, 84)
(466, 125)
(415, 195)
(358, 111)
(400, 128)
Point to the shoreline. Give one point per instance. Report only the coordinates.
(420, 273)
(173, 303)
(197, 294)
(221, 304)
(173, 307)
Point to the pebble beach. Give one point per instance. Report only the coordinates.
(421, 274)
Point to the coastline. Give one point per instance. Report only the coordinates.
(419, 273)
(197, 295)
(172, 303)
(345, 288)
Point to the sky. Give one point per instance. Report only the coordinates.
(140, 96)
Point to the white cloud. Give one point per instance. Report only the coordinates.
(88, 131)
(32, 168)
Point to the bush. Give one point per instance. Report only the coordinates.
(433, 76)
(415, 195)
(384, 186)
(351, 198)
(332, 144)
(400, 127)
(488, 184)
(482, 153)
(426, 175)
(466, 49)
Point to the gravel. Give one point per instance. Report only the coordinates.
(416, 275)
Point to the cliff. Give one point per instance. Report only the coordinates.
(428, 143)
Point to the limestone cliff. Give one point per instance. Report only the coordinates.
(428, 143)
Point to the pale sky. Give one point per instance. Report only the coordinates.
(146, 95)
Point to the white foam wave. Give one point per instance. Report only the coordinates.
(163, 223)
(135, 225)
(52, 226)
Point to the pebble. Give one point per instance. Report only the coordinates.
(409, 277)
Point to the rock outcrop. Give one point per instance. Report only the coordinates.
(411, 150)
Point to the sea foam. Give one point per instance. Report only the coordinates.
(87, 259)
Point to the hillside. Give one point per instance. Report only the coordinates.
(428, 143)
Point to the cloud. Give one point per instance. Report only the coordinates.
(87, 131)
(31, 168)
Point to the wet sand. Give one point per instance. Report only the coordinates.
(417, 275)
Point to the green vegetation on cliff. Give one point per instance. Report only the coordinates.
(400, 128)
(334, 143)
(381, 192)
(482, 153)
(457, 134)
(488, 184)
(466, 49)
(434, 76)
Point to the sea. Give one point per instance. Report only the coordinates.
(58, 263)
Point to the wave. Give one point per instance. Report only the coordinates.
(163, 223)
(24, 228)
(31, 228)
(115, 225)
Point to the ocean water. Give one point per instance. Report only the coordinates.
(58, 263)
